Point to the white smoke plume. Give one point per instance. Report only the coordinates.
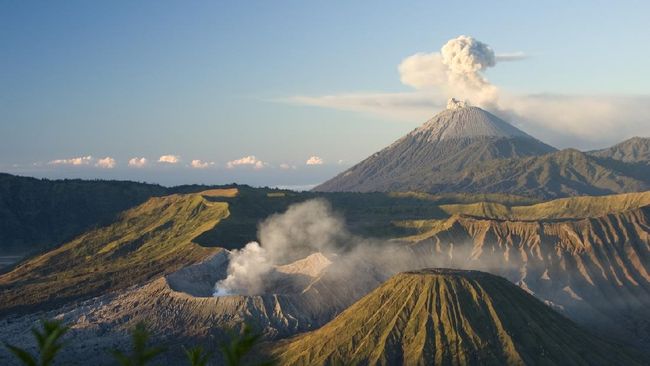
(313, 227)
(303, 229)
(245, 271)
(457, 70)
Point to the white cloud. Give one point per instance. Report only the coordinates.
(82, 160)
(199, 164)
(286, 166)
(582, 121)
(250, 160)
(169, 159)
(314, 160)
(138, 162)
(513, 56)
(410, 106)
(106, 163)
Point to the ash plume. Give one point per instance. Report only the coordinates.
(457, 70)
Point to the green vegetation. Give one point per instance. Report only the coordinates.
(141, 354)
(167, 233)
(49, 344)
(37, 214)
(197, 356)
(150, 240)
(48, 341)
(240, 346)
(565, 208)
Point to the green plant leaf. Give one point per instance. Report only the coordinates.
(25, 357)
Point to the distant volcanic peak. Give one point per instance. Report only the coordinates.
(460, 120)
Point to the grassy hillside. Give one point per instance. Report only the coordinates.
(38, 213)
(449, 317)
(152, 239)
(564, 208)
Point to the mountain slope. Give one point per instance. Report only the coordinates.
(454, 139)
(36, 214)
(449, 317)
(152, 239)
(634, 150)
(564, 173)
(563, 208)
(470, 150)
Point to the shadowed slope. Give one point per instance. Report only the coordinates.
(634, 150)
(449, 317)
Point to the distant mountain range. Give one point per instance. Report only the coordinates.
(467, 149)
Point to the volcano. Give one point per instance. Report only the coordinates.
(455, 139)
(466, 149)
(450, 317)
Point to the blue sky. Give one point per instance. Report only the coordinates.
(219, 81)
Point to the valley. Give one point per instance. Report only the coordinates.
(584, 257)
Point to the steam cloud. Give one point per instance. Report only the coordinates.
(303, 229)
(313, 227)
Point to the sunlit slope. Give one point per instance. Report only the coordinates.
(449, 317)
(37, 214)
(564, 208)
(152, 239)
